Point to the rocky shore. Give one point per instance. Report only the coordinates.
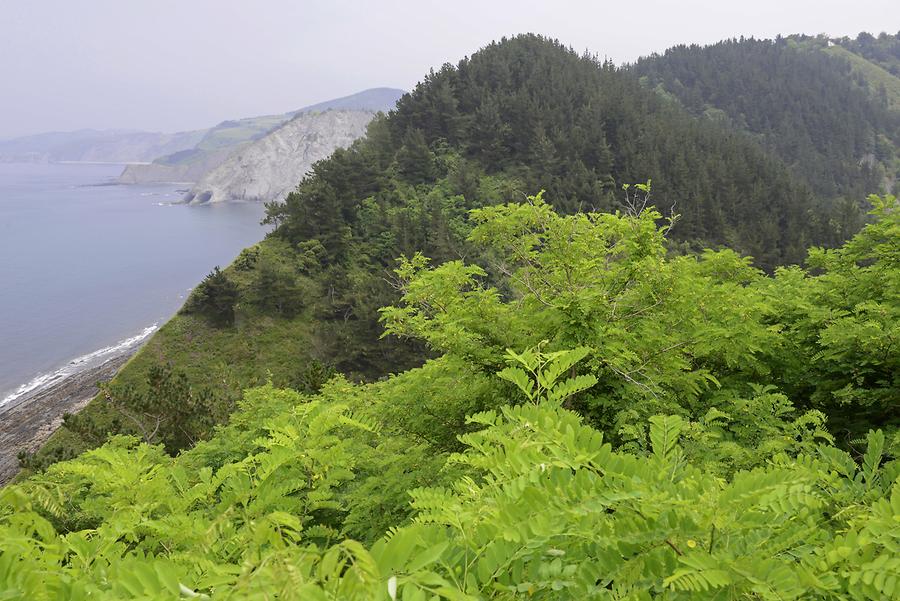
(27, 422)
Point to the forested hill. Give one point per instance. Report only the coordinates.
(831, 111)
(521, 115)
(539, 116)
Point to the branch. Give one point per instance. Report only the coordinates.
(674, 548)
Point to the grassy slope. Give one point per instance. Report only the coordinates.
(234, 132)
(259, 348)
(872, 73)
(227, 135)
(876, 77)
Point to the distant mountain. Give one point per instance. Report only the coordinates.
(134, 146)
(269, 168)
(373, 99)
(187, 167)
(113, 146)
(176, 157)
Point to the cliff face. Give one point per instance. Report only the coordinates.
(269, 168)
(189, 165)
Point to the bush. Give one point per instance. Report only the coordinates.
(215, 297)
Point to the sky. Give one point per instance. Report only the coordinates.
(175, 65)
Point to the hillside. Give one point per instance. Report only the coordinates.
(518, 116)
(881, 84)
(374, 100)
(434, 380)
(185, 167)
(883, 50)
(828, 113)
(270, 167)
(189, 164)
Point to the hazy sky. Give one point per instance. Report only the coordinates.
(169, 65)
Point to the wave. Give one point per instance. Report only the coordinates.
(79, 363)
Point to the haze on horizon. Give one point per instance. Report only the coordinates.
(167, 65)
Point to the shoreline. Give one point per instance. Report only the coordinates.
(28, 421)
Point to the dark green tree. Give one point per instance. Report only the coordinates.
(415, 161)
(215, 297)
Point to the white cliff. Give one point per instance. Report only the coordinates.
(269, 168)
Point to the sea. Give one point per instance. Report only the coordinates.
(89, 268)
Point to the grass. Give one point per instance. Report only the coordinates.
(243, 130)
(874, 75)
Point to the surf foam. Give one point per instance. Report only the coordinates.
(79, 363)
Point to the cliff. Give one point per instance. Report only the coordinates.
(270, 167)
(226, 140)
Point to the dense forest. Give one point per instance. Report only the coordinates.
(552, 329)
(802, 102)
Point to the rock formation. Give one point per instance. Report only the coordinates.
(272, 166)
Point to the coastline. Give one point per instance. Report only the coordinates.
(28, 422)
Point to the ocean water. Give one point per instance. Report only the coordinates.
(87, 268)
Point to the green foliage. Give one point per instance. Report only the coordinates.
(204, 523)
(881, 83)
(215, 298)
(695, 336)
(167, 410)
(247, 259)
(814, 104)
(275, 290)
(662, 333)
(523, 114)
(721, 485)
(541, 508)
(314, 375)
(877, 60)
(216, 362)
(539, 378)
(740, 433)
(842, 325)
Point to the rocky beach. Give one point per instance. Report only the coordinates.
(28, 421)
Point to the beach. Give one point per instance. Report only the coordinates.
(28, 421)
